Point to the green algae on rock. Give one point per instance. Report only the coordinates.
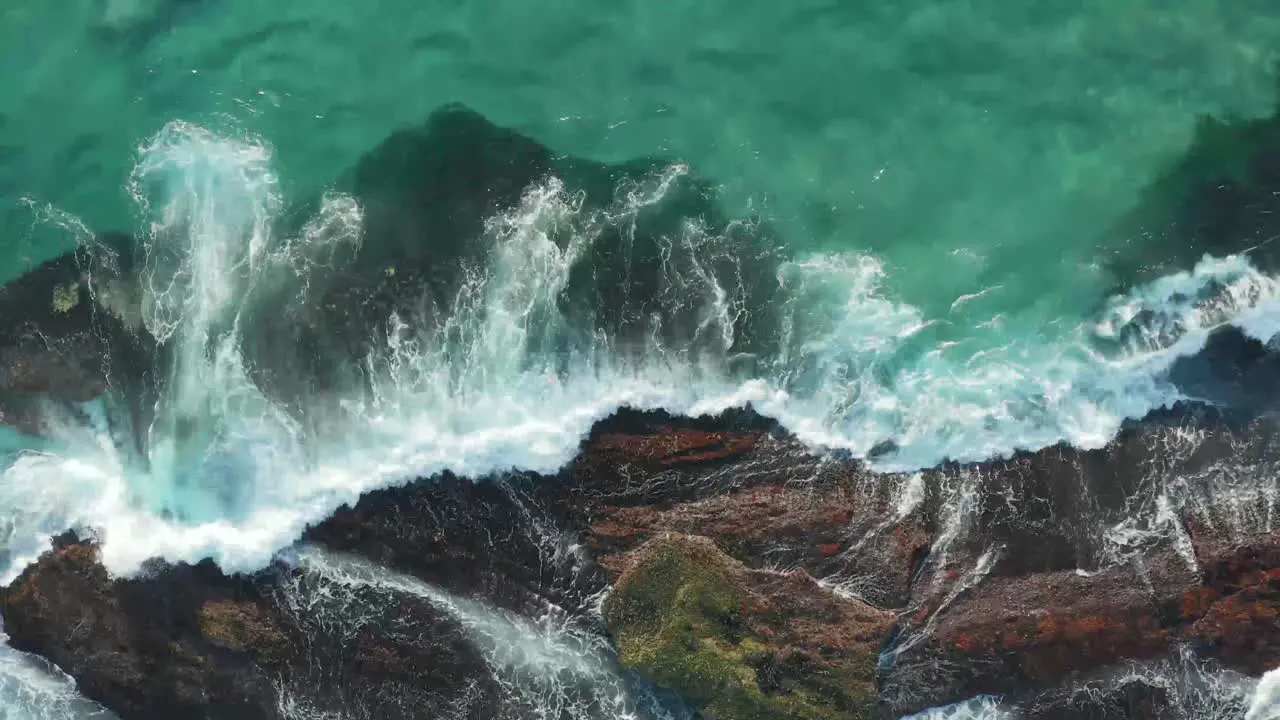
(741, 644)
(66, 297)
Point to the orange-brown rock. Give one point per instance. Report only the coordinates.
(1020, 634)
(764, 498)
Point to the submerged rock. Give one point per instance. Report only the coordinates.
(631, 253)
(1218, 198)
(739, 643)
(60, 346)
(423, 215)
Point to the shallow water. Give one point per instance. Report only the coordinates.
(945, 178)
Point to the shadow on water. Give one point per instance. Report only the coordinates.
(428, 196)
(1221, 198)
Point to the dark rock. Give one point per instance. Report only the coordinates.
(1047, 587)
(1114, 694)
(1235, 612)
(59, 346)
(1021, 635)
(439, 200)
(372, 651)
(1031, 628)
(242, 626)
(1232, 371)
(1062, 508)
(140, 647)
(1028, 577)
(425, 195)
(1044, 569)
(436, 202)
(188, 641)
(494, 539)
(426, 192)
(1007, 635)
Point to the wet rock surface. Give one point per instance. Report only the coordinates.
(762, 497)
(1124, 579)
(139, 646)
(184, 641)
(747, 576)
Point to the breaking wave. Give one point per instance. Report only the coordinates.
(510, 371)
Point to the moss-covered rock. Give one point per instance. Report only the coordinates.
(243, 626)
(741, 644)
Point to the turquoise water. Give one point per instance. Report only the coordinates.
(946, 176)
(991, 141)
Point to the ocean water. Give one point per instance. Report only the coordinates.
(945, 178)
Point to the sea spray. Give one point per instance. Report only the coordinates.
(549, 666)
(513, 372)
(983, 708)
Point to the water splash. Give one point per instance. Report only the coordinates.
(1181, 687)
(515, 368)
(551, 666)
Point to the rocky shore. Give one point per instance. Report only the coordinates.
(750, 577)
(714, 567)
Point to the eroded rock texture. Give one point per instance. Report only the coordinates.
(716, 593)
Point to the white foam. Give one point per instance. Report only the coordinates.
(1265, 704)
(560, 670)
(509, 380)
(31, 689)
(983, 708)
